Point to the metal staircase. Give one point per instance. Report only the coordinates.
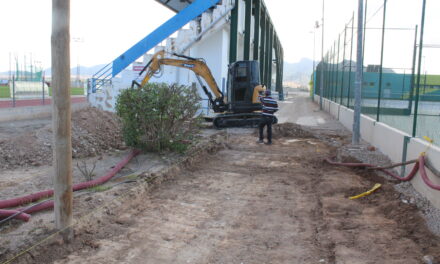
(189, 12)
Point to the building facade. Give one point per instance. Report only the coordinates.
(225, 32)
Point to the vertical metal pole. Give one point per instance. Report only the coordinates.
(277, 64)
(422, 31)
(42, 86)
(327, 74)
(13, 91)
(333, 72)
(381, 60)
(270, 55)
(314, 64)
(330, 79)
(359, 77)
(403, 85)
(61, 116)
(257, 29)
(321, 88)
(267, 50)
(424, 84)
(337, 70)
(351, 61)
(234, 33)
(263, 46)
(343, 64)
(10, 66)
(247, 30)
(365, 33)
(282, 69)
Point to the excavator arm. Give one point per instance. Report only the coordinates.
(198, 66)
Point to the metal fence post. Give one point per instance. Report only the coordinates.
(413, 72)
(42, 83)
(343, 64)
(321, 89)
(13, 90)
(334, 75)
(337, 69)
(351, 61)
(327, 75)
(364, 33)
(359, 78)
(332, 71)
(422, 30)
(381, 59)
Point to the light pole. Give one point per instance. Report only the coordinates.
(321, 88)
(78, 40)
(359, 76)
(314, 57)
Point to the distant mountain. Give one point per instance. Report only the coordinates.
(84, 71)
(299, 72)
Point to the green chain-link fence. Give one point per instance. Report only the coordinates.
(400, 87)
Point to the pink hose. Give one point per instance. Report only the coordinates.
(7, 213)
(80, 186)
(420, 165)
(425, 175)
(41, 207)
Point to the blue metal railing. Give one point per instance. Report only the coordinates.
(182, 18)
(102, 77)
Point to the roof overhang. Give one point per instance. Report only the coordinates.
(176, 5)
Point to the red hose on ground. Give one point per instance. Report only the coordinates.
(25, 199)
(419, 165)
(41, 207)
(425, 175)
(7, 213)
(80, 186)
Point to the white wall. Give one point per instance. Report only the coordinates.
(213, 47)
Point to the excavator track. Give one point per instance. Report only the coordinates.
(238, 120)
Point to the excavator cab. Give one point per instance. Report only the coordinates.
(243, 77)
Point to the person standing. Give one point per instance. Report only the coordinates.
(270, 106)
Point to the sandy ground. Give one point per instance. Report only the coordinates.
(252, 203)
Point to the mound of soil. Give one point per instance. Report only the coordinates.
(290, 130)
(93, 132)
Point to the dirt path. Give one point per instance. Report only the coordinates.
(255, 203)
(252, 203)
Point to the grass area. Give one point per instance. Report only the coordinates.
(76, 91)
(73, 91)
(4, 92)
(430, 79)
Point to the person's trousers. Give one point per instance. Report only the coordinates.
(266, 121)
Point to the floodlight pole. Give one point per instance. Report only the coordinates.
(61, 115)
(321, 85)
(359, 77)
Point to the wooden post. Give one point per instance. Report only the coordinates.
(62, 144)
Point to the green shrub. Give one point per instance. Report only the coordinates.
(158, 117)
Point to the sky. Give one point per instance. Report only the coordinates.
(103, 29)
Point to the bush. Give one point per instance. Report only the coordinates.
(158, 117)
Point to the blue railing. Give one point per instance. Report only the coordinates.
(182, 18)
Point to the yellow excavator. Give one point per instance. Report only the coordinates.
(242, 106)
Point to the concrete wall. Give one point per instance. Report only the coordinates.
(390, 141)
(32, 112)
